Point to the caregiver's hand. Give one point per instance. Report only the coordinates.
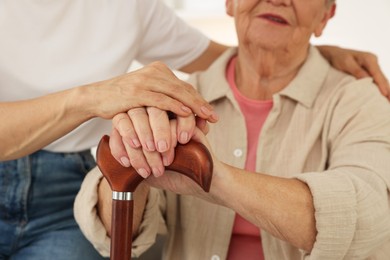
(154, 85)
(357, 63)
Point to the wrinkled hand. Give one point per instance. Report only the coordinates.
(154, 85)
(181, 184)
(146, 138)
(357, 63)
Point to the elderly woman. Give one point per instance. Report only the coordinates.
(301, 154)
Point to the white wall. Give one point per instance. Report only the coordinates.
(362, 25)
(358, 24)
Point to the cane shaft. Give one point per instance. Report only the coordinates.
(121, 229)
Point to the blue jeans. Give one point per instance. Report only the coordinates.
(37, 193)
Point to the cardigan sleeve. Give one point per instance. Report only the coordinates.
(351, 198)
(92, 227)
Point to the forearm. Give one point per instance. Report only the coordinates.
(29, 125)
(213, 51)
(283, 207)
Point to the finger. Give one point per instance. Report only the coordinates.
(118, 149)
(169, 155)
(159, 123)
(138, 161)
(162, 101)
(122, 123)
(200, 137)
(140, 120)
(155, 163)
(185, 128)
(147, 160)
(371, 64)
(354, 67)
(191, 103)
(184, 92)
(202, 125)
(381, 81)
(348, 61)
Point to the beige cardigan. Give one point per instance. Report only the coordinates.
(326, 129)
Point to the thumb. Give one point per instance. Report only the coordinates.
(200, 137)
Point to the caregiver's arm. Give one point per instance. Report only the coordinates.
(357, 63)
(360, 64)
(29, 125)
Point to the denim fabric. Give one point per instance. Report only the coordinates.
(36, 207)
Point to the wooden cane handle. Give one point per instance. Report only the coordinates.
(192, 159)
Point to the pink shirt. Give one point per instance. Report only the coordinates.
(245, 242)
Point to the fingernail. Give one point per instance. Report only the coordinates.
(125, 161)
(136, 142)
(183, 137)
(205, 111)
(156, 172)
(150, 146)
(143, 173)
(165, 160)
(186, 109)
(162, 146)
(215, 116)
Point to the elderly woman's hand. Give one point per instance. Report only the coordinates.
(181, 184)
(357, 63)
(145, 138)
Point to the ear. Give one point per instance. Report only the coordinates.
(327, 16)
(229, 7)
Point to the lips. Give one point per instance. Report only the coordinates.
(274, 19)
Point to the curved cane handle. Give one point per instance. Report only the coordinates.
(192, 159)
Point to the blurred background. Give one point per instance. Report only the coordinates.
(358, 24)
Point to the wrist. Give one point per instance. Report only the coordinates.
(221, 184)
(84, 102)
(327, 50)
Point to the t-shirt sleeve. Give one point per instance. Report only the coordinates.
(166, 37)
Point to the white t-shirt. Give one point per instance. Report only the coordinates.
(48, 46)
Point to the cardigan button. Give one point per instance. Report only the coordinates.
(215, 257)
(237, 153)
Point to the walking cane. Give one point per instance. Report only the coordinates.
(192, 160)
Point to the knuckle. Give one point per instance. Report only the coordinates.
(117, 154)
(118, 118)
(134, 112)
(154, 111)
(372, 57)
(157, 115)
(157, 66)
(137, 160)
(127, 134)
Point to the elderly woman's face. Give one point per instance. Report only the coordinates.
(279, 23)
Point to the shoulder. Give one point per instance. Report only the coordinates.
(341, 86)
